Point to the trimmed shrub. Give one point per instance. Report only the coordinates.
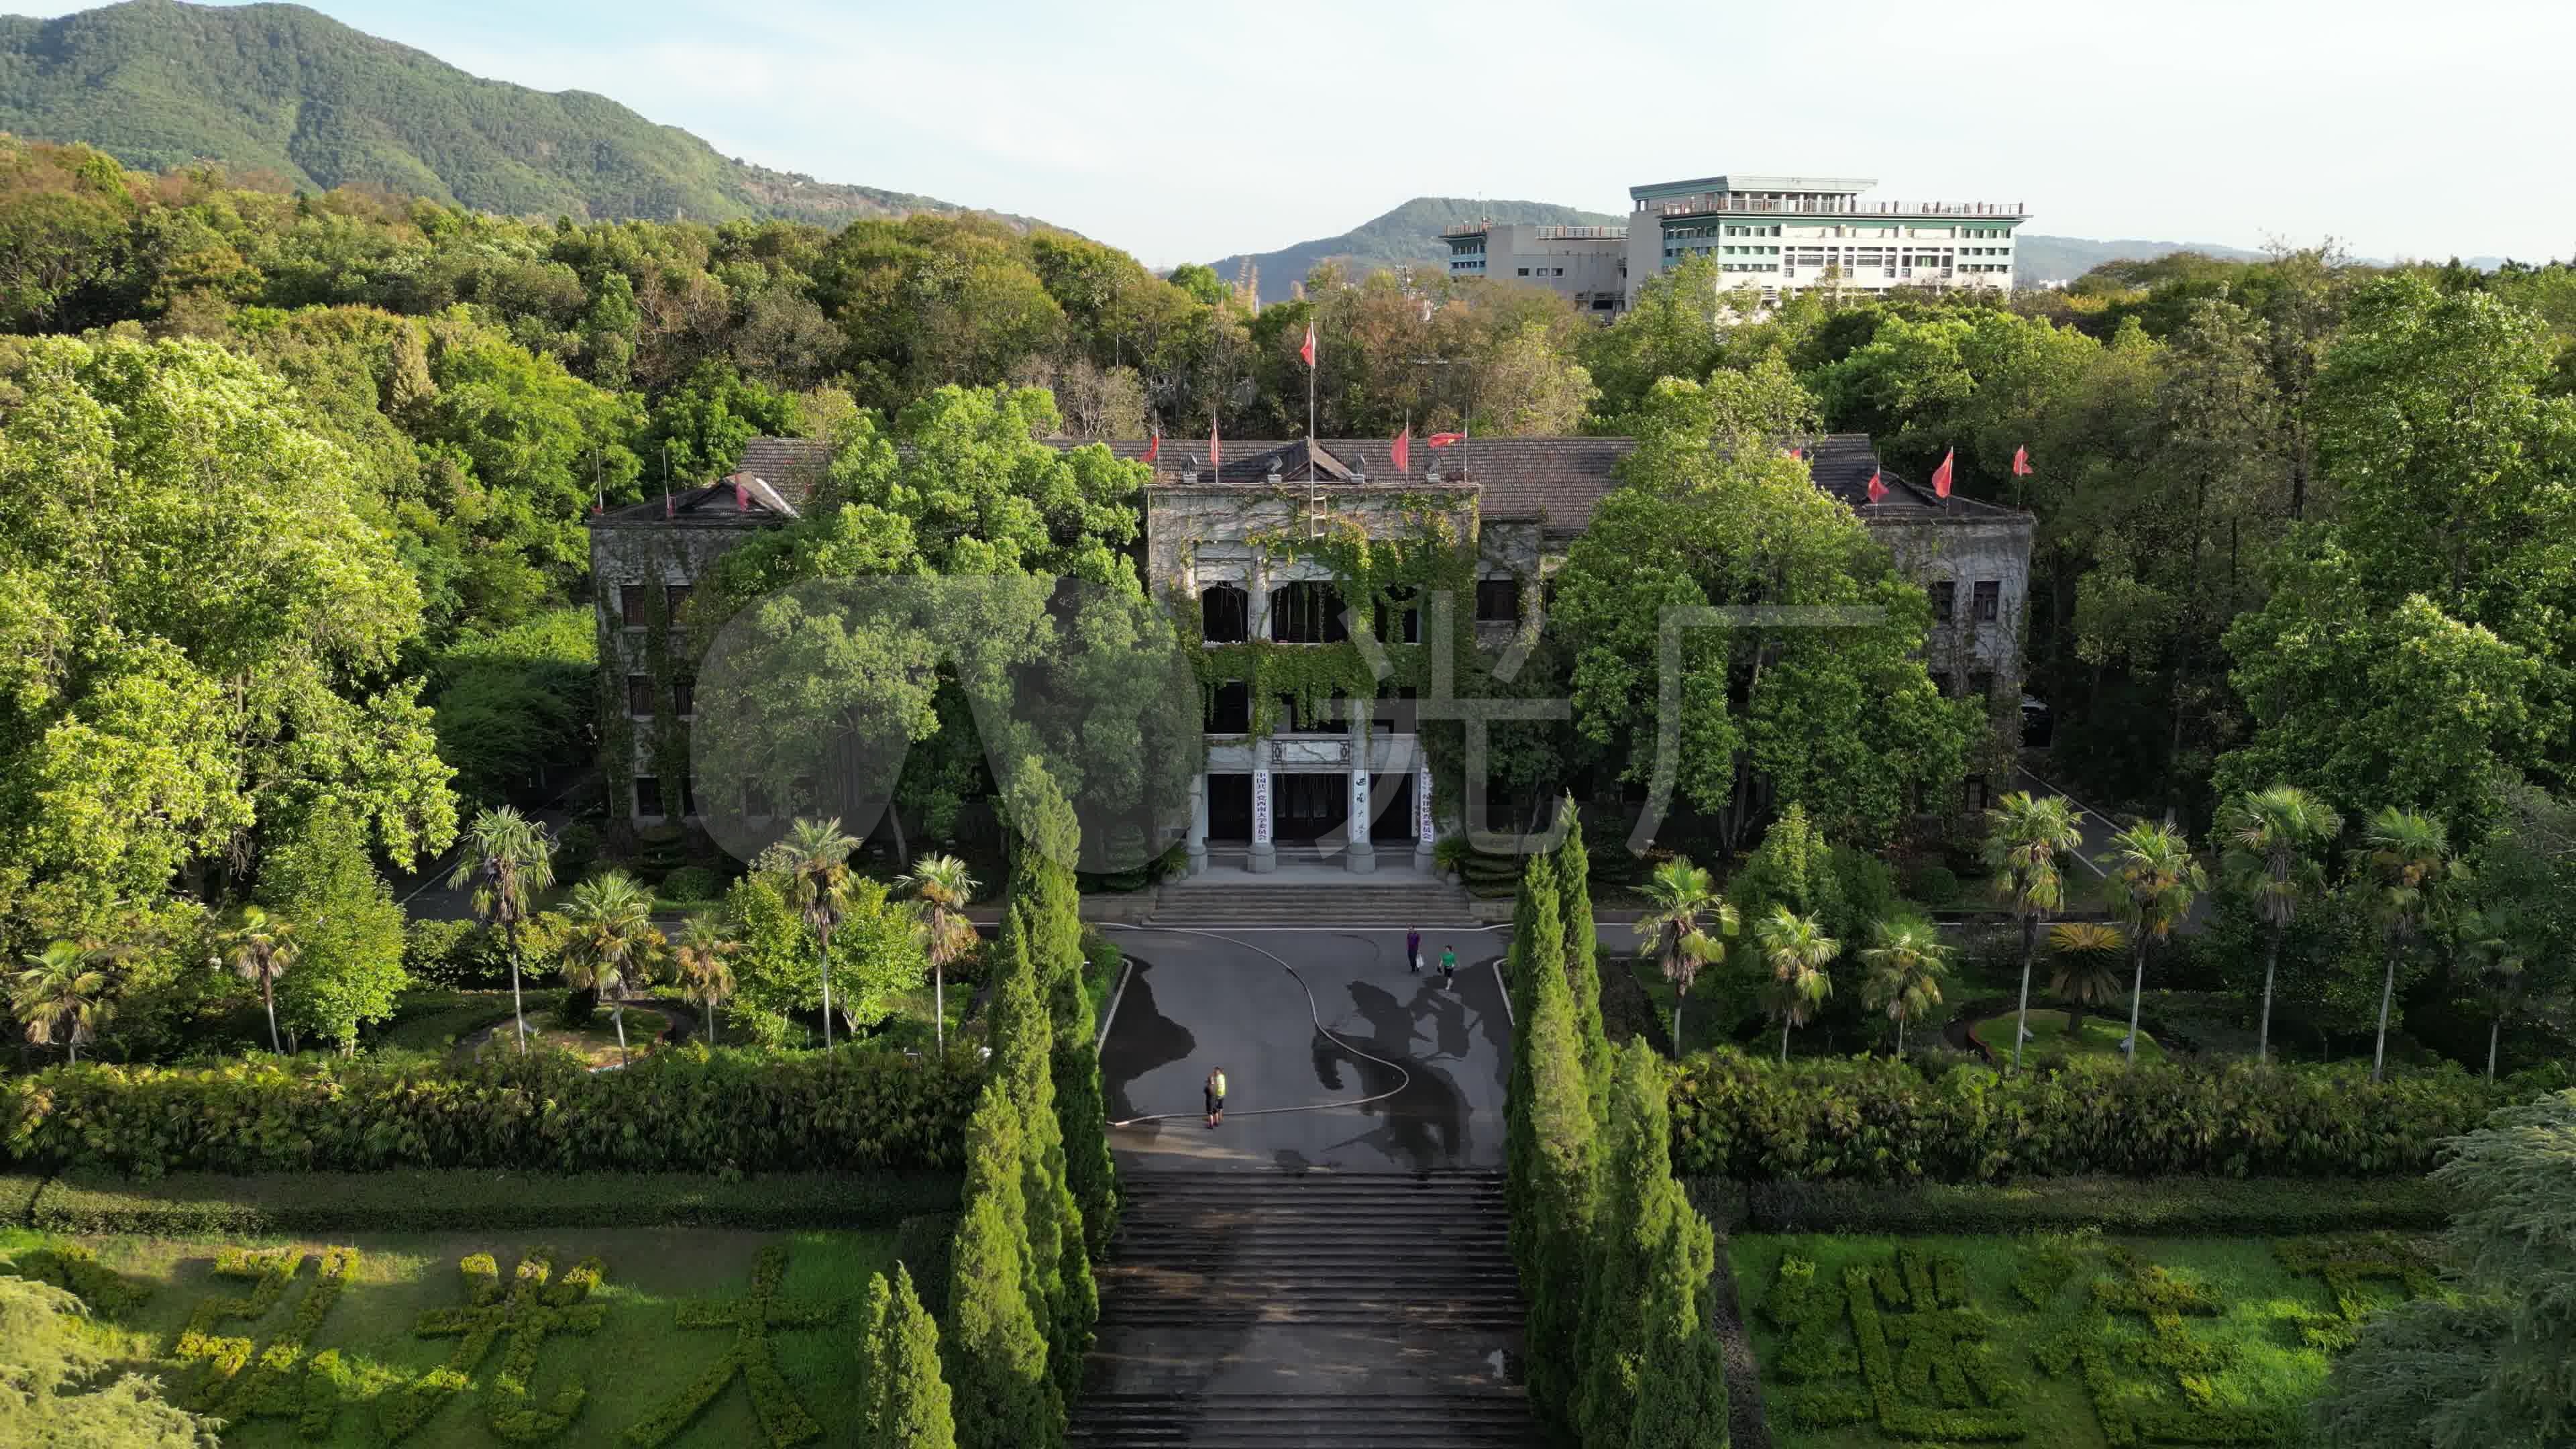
(686, 1108)
(692, 883)
(2173, 1206)
(1877, 1120)
(472, 1200)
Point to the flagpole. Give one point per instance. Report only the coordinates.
(1316, 343)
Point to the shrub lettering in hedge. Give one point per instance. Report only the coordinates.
(752, 1317)
(271, 1387)
(75, 1269)
(2192, 1415)
(2348, 1263)
(533, 1307)
(1927, 1370)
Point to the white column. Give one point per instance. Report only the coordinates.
(1263, 857)
(1361, 857)
(1198, 824)
(1425, 832)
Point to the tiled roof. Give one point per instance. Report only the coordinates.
(793, 466)
(735, 501)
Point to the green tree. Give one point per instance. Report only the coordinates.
(1582, 958)
(1640, 1206)
(262, 948)
(908, 1401)
(2025, 838)
(944, 886)
(2270, 844)
(1549, 1153)
(59, 1389)
(1681, 1379)
(349, 950)
(1684, 918)
(813, 863)
(2083, 967)
(2407, 867)
(703, 958)
(2149, 883)
(1060, 1285)
(2498, 951)
(508, 862)
(995, 1345)
(2488, 1363)
(62, 997)
(1672, 328)
(1905, 970)
(610, 943)
(1797, 951)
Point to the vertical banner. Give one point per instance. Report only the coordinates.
(1358, 826)
(1261, 807)
(1422, 806)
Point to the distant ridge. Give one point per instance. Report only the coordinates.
(285, 89)
(1408, 235)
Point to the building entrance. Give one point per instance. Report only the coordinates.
(1391, 798)
(1229, 807)
(1309, 807)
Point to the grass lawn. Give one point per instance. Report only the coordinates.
(2243, 1352)
(434, 1020)
(2099, 1036)
(636, 1359)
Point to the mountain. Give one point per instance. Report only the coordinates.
(2042, 259)
(284, 89)
(1410, 234)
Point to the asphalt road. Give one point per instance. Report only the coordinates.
(1437, 1060)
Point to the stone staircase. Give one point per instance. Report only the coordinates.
(1283, 1310)
(1409, 901)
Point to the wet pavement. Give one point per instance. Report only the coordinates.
(1198, 1000)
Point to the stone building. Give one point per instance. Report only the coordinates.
(1300, 786)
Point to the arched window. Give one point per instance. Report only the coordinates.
(1225, 614)
(1307, 612)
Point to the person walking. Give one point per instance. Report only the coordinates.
(1413, 951)
(1215, 1097)
(1449, 968)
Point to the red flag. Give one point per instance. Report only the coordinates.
(741, 495)
(1442, 440)
(1402, 451)
(1941, 475)
(1153, 445)
(1877, 489)
(2021, 462)
(1795, 453)
(1308, 351)
(1216, 449)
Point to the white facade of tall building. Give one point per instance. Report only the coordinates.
(1776, 235)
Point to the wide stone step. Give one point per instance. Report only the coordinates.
(1497, 1419)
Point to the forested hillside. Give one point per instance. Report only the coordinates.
(1406, 236)
(283, 89)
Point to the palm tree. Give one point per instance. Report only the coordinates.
(2408, 863)
(2084, 967)
(61, 997)
(507, 862)
(944, 887)
(1685, 918)
(2269, 844)
(1904, 972)
(2025, 837)
(703, 957)
(816, 858)
(261, 948)
(2150, 884)
(2496, 951)
(1797, 950)
(610, 942)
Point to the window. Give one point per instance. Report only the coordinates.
(1941, 683)
(1972, 794)
(1399, 619)
(673, 596)
(1981, 683)
(1989, 599)
(1328, 717)
(639, 695)
(688, 797)
(1524, 271)
(1945, 602)
(1498, 601)
(648, 795)
(684, 696)
(1307, 612)
(1230, 708)
(630, 606)
(1225, 614)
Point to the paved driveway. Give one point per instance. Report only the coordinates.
(1218, 998)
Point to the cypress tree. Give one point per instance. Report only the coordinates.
(1582, 958)
(1043, 885)
(908, 1405)
(1532, 903)
(1639, 1205)
(995, 1347)
(1061, 1289)
(1681, 1386)
(1550, 1160)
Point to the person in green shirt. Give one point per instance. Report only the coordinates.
(1215, 1097)
(1449, 968)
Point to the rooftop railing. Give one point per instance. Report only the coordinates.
(1712, 203)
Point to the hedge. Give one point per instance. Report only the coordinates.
(1879, 1120)
(2174, 1206)
(471, 1200)
(687, 1110)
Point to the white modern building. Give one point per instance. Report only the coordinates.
(1586, 264)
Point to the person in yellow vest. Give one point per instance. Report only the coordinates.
(1215, 1097)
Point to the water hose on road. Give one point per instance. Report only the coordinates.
(1313, 1014)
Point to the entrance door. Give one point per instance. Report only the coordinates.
(1310, 806)
(1230, 807)
(1391, 796)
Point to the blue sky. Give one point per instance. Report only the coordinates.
(1187, 131)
